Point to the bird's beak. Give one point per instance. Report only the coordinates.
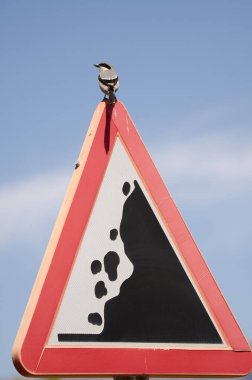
(96, 65)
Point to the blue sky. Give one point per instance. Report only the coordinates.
(185, 78)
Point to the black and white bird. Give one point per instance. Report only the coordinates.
(108, 80)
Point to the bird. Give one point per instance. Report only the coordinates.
(108, 80)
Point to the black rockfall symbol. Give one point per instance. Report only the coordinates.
(100, 289)
(111, 262)
(113, 234)
(95, 319)
(96, 266)
(158, 302)
(126, 188)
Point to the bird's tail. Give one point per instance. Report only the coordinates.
(112, 97)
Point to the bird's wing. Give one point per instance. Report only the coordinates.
(109, 75)
(110, 83)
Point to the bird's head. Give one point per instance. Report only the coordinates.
(103, 66)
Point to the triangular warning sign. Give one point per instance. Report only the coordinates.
(123, 289)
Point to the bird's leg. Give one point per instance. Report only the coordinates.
(111, 97)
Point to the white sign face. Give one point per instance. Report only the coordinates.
(144, 294)
(101, 265)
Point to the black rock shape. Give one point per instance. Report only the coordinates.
(126, 188)
(111, 262)
(158, 302)
(96, 266)
(113, 234)
(95, 319)
(100, 289)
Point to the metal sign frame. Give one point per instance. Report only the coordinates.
(31, 354)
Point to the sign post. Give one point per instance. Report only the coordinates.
(123, 289)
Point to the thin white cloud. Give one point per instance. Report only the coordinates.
(208, 168)
(27, 206)
(229, 115)
(207, 155)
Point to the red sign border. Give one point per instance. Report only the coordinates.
(33, 357)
